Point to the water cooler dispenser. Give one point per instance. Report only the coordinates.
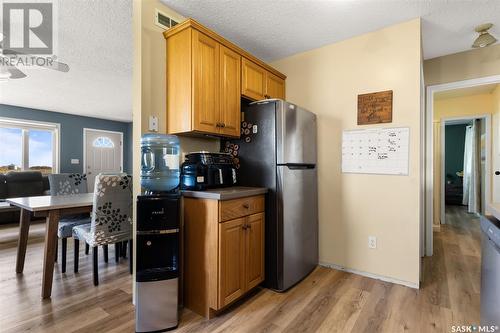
(157, 244)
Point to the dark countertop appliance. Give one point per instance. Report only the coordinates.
(157, 262)
(204, 170)
(490, 270)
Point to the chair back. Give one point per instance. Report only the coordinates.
(112, 208)
(67, 183)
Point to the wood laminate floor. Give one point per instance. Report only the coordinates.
(326, 301)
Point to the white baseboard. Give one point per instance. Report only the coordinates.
(370, 275)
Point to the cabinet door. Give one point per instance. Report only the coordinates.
(275, 86)
(255, 250)
(205, 83)
(230, 92)
(253, 80)
(231, 281)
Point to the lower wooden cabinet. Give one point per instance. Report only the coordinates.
(223, 259)
(232, 257)
(255, 250)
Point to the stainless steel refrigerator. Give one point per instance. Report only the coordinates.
(277, 150)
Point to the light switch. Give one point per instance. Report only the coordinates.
(75, 161)
(153, 123)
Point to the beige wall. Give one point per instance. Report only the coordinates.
(153, 65)
(463, 106)
(327, 81)
(463, 66)
(474, 105)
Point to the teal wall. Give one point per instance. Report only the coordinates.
(454, 151)
(72, 133)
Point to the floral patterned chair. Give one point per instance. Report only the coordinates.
(111, 217)
(68, 184)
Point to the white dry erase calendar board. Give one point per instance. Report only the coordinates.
(376, 151)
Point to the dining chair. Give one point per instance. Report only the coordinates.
(68, 184)
(111, 218)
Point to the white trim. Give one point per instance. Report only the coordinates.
(371, 275)
(427, 140)
(25, 125)
(85, 130)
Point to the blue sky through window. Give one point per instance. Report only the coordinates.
(10, 146)
(40, 143)
(40, 147)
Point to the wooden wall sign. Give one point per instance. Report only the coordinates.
(375, 108)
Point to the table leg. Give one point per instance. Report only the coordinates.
(50, 248)
(24, 229)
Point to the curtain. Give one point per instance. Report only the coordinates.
(472, 168)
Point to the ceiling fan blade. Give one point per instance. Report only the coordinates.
(15, 73)
(58, 66)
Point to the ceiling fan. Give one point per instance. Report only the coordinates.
(8, 72)
(485, 38)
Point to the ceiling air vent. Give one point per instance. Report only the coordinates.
(163, 20)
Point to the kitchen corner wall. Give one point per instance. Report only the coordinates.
(153, 77)
(352, 207)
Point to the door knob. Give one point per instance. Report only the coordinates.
(497, 172)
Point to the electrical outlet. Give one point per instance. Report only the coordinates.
(153, 124)
(372, 242)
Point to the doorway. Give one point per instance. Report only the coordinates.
(464, 161)
(102, 152)
(432, 168)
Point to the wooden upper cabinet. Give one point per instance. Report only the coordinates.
(206, 77)
(257, 83)
(253, 80)
(275, 86)
(232, 281)
(205, 61)
(230, 82)
(255, 250)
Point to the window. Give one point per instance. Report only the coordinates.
(103, 142)
(27, 145)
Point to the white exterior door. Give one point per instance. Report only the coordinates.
(102, 152)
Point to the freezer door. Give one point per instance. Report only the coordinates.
(295, 134)
(298, 221)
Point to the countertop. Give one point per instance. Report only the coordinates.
(225, 193)
(495, 210)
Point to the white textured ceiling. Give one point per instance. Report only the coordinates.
(470, 91)
(275, 29)
(95, 40)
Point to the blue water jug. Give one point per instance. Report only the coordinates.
(159, 162)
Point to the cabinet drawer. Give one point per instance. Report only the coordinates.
(232, 209)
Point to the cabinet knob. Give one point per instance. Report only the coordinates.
(244, 227)
(245, 205)
(223, 125)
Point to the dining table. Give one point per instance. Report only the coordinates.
(52, 208)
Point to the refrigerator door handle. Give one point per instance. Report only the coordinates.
(298, 166)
